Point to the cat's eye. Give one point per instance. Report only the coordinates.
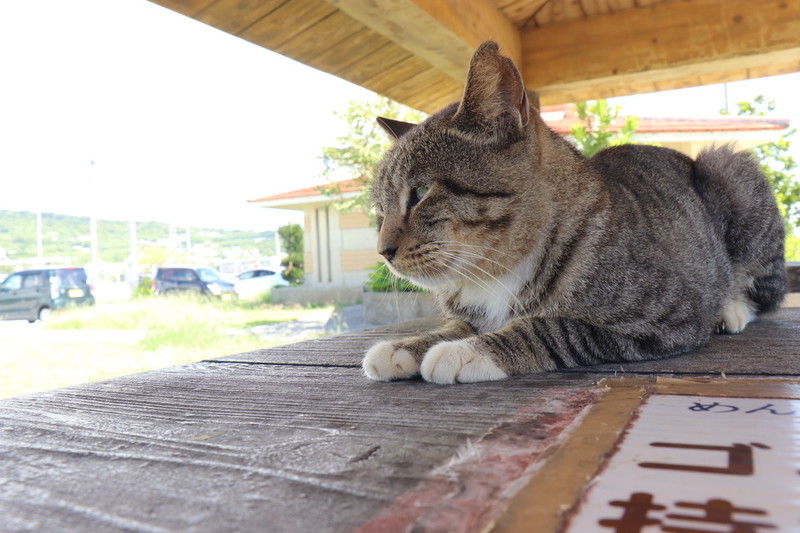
(417, 193)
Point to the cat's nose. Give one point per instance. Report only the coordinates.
(388, 252)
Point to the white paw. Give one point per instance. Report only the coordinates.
(384, 362)
(458, 361)
(735, 316)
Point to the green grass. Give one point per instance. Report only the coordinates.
(89, 344)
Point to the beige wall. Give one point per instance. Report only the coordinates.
(339, 247)
(359, 259)
(354, 220)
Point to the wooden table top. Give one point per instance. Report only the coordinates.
(295, 438)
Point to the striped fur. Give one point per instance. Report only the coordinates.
(544, 259)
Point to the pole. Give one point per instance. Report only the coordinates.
(93, 230)
(133, 258)
(39, 247)
(188, 245)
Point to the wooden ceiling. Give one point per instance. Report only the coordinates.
(417, 51)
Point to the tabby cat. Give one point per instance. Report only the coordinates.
(543, 259)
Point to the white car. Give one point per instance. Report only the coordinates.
(251, 283)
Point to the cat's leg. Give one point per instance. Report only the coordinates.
(742, 207)
(757, 288)
(400, 359)
(738, 310)
(735, 316)
(769, 286)
(538, 345)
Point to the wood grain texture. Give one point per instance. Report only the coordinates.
(185, 7)
(297, 439)
(346, 349)
(290, 18)
(568, 50)
(234, 16)
(239, 447)
(442, 32)
(320, 38)
(768, 346)
(668, 43)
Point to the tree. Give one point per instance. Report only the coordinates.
(600, 128)
(776, 164)
(291, 236)
(360, 150)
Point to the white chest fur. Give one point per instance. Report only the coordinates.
(497, 297)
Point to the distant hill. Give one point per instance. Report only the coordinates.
(68, 236)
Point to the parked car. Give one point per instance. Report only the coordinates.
(199, 280)
(32, 294)
(251, 283)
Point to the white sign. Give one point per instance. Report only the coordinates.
(696, 464)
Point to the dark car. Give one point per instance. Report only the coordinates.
(32, 294)
(199, 280)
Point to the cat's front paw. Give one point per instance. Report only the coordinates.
(385, 362)
(459, 361)
(735, 316)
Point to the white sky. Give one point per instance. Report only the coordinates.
(185, 123)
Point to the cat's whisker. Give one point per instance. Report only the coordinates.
(484, 249)
(507, 269)
(478, 281)
(478, 246)
(470, 276)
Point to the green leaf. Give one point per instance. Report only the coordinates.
(359, 151)
(600, 128)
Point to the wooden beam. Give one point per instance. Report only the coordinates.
(664, 46)
(444, 33)
(185, 7)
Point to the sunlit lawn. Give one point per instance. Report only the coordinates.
(113, 339)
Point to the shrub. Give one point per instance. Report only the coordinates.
(144, 288)
(381, 279)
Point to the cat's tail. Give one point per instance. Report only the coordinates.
(745, 215)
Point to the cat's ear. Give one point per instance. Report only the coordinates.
(395, 128)
(495, 105)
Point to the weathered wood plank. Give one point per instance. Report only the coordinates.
(666, 43)
(233, 16)
(346, 349)
(291, 18)
(768, 346)
(271, 446)
(185, 7)
(558, 11)
(373, 66)
(227, 447)
(409, 68)
(417, 83)
(444, 89)
(359, 45)
(520, 12)
(326, 34)
(443, 33)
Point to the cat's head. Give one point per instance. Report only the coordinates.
(446, 193)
